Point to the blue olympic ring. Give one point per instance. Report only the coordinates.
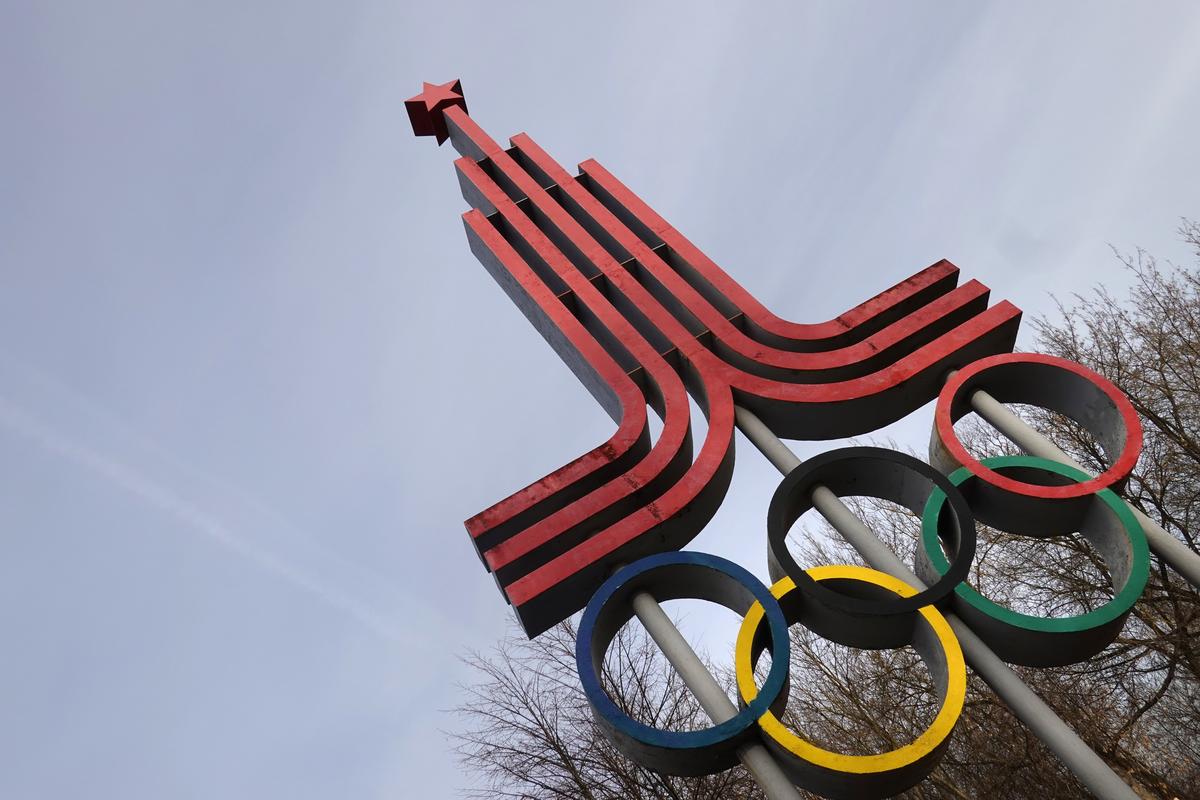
(679, 575)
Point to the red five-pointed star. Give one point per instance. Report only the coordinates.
(425, 111)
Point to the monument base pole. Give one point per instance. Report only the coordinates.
(708, 692)
(1174, 552)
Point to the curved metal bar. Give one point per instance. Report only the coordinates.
(1035, 641)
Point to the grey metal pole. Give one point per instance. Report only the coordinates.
(1091, 770)
(712, 697)
(1166, 546)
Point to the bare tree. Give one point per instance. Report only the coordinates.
(527, 730)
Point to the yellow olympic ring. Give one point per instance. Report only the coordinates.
(852, 775)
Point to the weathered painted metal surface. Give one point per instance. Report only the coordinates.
(644, 318)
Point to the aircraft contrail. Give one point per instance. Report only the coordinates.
(162, 497)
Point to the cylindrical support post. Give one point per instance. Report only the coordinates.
(1091, 770)
(709, 693)
(1174, 552)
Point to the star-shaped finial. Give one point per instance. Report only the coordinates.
(426, 110)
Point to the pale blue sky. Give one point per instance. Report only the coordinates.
(252, 381)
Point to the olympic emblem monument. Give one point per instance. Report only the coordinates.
(644, 319)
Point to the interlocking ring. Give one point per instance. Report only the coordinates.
(1110, 527)
(871, 472)
(839, 775)
(1005, 501)
(860, 607)
(674, 576)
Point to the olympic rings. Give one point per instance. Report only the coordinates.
(1054, 383)
(671, 576)
(860, 607)
(1034, 641)
(873, 472)
(838, 775)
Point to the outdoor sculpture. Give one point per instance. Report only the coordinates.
(644, 318)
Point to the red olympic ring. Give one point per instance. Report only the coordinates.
(1053, 383)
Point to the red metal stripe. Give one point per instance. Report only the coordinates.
(812, 411)
(553, 590)
(671, 453)
(864, 318)
(904, 339)
(729, 342)
(629, 442)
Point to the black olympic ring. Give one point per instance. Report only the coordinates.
(887, 475)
